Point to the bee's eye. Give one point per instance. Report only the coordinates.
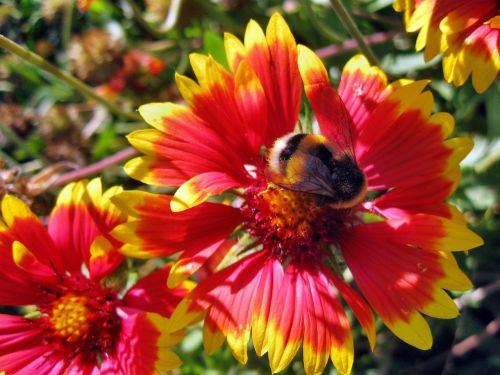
(334, 176)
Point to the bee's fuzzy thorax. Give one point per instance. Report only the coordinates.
(309, 163)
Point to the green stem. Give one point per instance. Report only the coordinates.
(38, 61)
(67, 24)
(183, 63)
(486, 163)
(349, 24)
(319, 24)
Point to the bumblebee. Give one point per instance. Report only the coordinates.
(310, 163)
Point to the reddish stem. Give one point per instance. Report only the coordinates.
(351, 44)
(474, 341)
(96, 167)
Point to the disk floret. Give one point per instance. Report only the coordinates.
(290, 223)
(82, 316)
(70, 317)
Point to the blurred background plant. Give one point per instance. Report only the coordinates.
(126, 53)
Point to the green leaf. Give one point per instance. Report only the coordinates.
(214, 45)
(105, 143)
(26, 71)
(493, 111)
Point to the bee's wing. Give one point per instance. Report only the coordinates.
(341, 135)
(313, 178)
(335, 121)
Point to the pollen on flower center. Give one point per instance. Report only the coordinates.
(70, 317)
(290, 212)
(82, 317)
(290, 223)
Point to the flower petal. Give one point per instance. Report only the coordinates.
(273, 57)
(253, 106)
(25, 227)
(155, 231)
(326, 328)
(395, 155)
(464, 32)
(229, 296)
(477, 54)
(286, 321)
(400, 279)
(23, 349)
(215, 103)
(199, 188)
(426, 231)
(191, 261)
(359, 307)
(27, 261)
(84, 214)
(142, 348)
(267, 292)
(18, 282)
(325, 101)
(235, 50)
(151, 293)
(361, 88)
(175, 155)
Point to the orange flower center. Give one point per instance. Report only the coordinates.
(80, 317)
(290, 213)
(292, 224)
(70, 317)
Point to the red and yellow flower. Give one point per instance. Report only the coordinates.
(135, 73)
(285, 288)
(82, 324)
(467, 33)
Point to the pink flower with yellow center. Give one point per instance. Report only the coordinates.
(467, 33)
(83, 324)
(295, 210)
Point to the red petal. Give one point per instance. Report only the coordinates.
(395, 155)
(273, 57)
(23, 348)
(156, 231)
(142, 348)
(191, 261)
(230, 295)
(286, 323)
(215, 103)
(397, 277)
(151, 293)
(82, 214)
(361, 88)
(334, 120)
(253, 106)
(326, 327)
(267, 292)
(357, 304)
(23, 226)
(199, 188)
(177, 156)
